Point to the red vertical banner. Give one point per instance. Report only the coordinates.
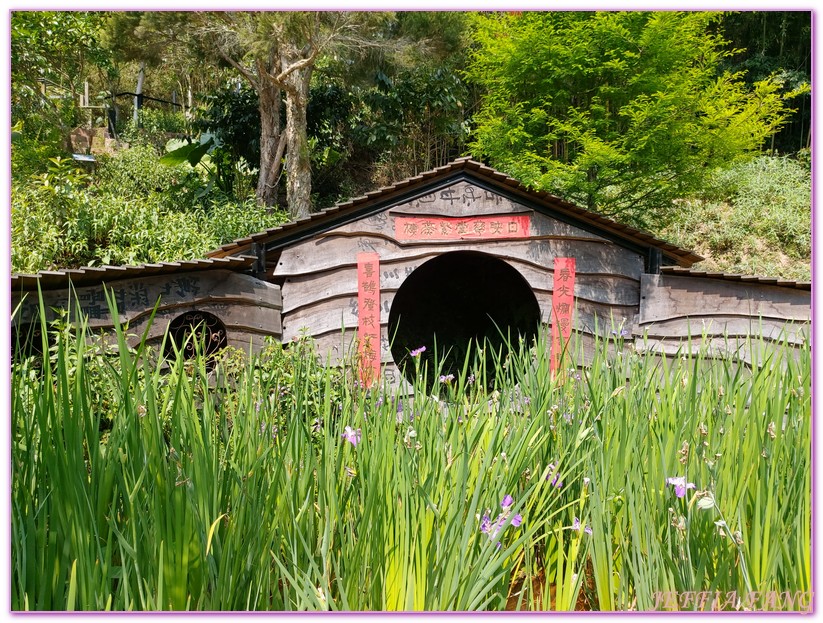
(562, 307)
(368, 317)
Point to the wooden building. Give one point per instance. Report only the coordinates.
(453, 248)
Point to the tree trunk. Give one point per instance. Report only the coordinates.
(271, 143)
(298, 162)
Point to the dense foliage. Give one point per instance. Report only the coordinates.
(279, 484)
(633, 114)
(752, 218)
(132, 210)
(622, 112)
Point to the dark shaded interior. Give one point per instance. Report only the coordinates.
(208, 330)
(458, 301)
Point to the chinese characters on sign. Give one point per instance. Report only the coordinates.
(368, 317)
(466, 195)
(562, 307)
(461, 228)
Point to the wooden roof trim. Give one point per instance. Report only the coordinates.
(92, 275)
(673, 252)
(680, 271)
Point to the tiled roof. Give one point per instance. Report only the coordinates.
(683, 257)
(92, 275)
(691, 272)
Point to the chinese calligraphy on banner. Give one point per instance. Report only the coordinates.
(460, 228)
(368, 317)
(562, 307)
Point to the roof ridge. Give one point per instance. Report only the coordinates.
(467, 163)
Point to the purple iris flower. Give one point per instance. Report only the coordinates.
(680, 485)
(351, 435)
(418, 351)
(554, 478)
(446, 378)
(493, 529)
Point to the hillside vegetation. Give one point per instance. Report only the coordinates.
(692, 125)
(754, 219)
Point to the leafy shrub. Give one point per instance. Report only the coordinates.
(230, 219)
(31, 157)
(135, 211)
(154, 127)
(137, 173)
(754, 217)
(772, 196)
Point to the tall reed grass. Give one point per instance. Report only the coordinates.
(290, 487)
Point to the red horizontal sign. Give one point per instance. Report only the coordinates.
(461, 228)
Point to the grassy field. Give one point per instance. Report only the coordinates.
(281, 484)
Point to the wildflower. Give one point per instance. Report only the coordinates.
(576, 526)
(720, 525)
(257, 406)
(351, 473)
(680, 485)
(351, 435)
(568, 417)
(418, 351)
(470, 380)
(493, 529)
(141, 410)
(770, 430)
(702, 429)
(554, 476)
(446, 378)
(586, 481)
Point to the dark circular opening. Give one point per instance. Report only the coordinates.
(208, 331)
(457, 302)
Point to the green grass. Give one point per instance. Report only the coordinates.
(243, 494)
(754, 218)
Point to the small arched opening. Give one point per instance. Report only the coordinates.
(457, 302)
(207, 329)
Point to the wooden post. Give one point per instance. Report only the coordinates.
(368, 317)
(562, 308)
(259, 267)
(138, 98)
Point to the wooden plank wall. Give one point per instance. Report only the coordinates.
(319, 275)
(250, 308)
(718, 315)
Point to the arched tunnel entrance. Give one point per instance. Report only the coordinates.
(455, 302)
